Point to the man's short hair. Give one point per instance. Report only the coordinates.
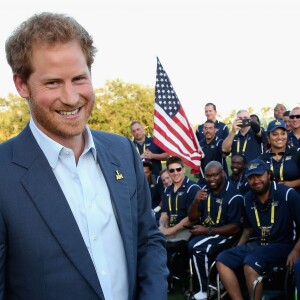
(147, 164)
(135, 122)
(213, 105)
(174, 160)
(45, 29)
(211, 122)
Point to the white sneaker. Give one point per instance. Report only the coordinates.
(200, 296)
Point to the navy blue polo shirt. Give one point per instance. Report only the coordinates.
(213, 151)
(286, 211)
(293, 140)
(149, 144)
(183, 197)
(248, 145)
(287, 168)
(222, 131)
(231, 202)
(240, 183)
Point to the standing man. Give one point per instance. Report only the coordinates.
(246, 139)
(75, 208)
(287, 121)
(146, 148)
(237, 177)
(294, 135)
(211, 114)
(270, 212)
(279, 110)
(218, 210)
(211, 146)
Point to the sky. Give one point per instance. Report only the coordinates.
(234, 53)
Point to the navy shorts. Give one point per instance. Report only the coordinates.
(254, 255)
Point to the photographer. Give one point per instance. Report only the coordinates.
(250, 139)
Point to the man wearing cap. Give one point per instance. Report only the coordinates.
(282, 159)
(246, 137)
(270, 212)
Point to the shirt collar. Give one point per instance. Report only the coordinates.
(52, 149)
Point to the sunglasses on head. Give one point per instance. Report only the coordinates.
(177, 169)
(294, 116)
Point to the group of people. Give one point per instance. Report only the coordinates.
(265, 172)
(210, 214)
(89, 215)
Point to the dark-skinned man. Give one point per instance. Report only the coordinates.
(218, 208)
(271, 211)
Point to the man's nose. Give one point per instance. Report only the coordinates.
(69, 95)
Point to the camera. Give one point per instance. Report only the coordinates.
(245, 123)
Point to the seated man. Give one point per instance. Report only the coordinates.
(154, 189)
(270, 212)
(176, 201)
(218, 207)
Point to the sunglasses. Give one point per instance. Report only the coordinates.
(177, 170)
(294, 116)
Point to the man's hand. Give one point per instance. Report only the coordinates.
(148, 154)
(293, 256)
(201, 195)
(167, 231)
(236, 125)
(199, 230)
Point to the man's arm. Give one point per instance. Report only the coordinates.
(227, 143)
(247, 232)
(174, 229)
(293, 256)
(160, 156)
(194, 213)
(3, 250)
(228, 229)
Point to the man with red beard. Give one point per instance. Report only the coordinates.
(217, 212)
(271, 210)
(75, 207)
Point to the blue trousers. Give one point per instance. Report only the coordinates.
(201, 248)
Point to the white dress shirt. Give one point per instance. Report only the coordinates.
(86, 191)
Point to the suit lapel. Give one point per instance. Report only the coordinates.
(44, 190)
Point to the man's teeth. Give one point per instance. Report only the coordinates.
(69, 113)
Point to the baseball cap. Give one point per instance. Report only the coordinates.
(257, 167)
(276, 124)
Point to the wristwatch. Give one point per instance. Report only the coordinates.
(209, 230)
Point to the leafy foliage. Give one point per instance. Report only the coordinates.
(117, 104)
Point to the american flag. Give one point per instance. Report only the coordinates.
(172, 131)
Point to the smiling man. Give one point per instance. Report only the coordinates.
(217, 212)
(75, 208)
(174, 213)
(271, 210)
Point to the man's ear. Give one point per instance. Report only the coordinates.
(21, 86)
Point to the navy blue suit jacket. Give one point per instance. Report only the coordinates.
(42, 253)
